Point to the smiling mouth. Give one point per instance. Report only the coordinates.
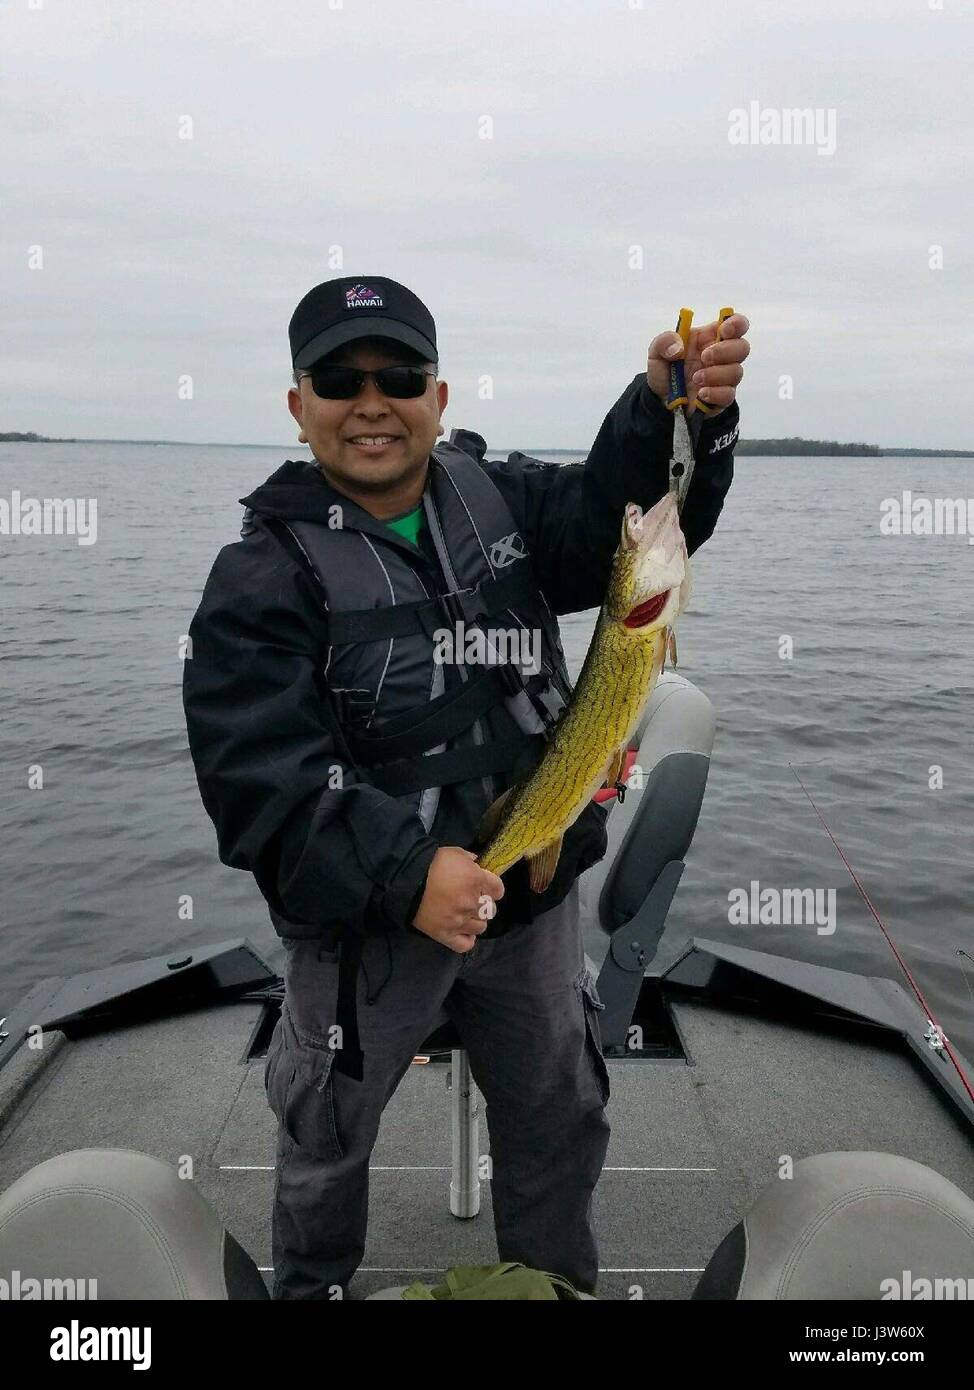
(373, 441)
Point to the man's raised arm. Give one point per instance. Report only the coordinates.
(571, 515)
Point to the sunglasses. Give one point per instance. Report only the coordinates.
(344, 383)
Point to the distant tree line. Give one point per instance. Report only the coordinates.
(30, 438)
(795, 445)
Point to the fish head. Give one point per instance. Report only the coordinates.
(650, 582)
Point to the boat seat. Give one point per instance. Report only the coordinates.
(649, 836)
(674, 740)
(849, 1226)
(128, 1222)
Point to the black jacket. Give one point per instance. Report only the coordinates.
(261, 737)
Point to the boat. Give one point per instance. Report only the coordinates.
(780, 1130)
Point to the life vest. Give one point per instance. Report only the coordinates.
(410, 729)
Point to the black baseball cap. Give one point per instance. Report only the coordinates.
(339, 311)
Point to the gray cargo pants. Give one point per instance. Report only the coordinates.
(526, 1010)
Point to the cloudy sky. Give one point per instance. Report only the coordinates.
(348, 137)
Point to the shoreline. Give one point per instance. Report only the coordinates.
(794, 447)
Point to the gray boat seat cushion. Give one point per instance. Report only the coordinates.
(656, 822)
(849, 1226)
(125, 1220)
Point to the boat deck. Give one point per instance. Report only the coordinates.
(692, 1142)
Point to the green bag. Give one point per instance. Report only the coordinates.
(503, 1281)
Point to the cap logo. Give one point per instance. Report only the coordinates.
(363, 297)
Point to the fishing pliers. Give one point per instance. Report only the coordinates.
(681, 464)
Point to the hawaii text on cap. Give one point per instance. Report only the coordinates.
(339, 311)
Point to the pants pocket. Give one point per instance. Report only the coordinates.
(300, 1084)
(592, 1006)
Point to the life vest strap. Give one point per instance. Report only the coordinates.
(459, 765)
(415, 731)
(406, 619)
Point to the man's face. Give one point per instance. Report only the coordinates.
(335, 430)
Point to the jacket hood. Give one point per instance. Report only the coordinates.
(299, 491)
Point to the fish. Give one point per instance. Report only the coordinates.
(649, 587)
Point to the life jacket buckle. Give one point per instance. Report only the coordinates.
(464, 605)
(355, 707)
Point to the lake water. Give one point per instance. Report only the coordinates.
(877, 693)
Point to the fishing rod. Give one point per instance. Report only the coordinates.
(934, 1035)
(960, 952)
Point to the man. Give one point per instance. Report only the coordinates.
(348, 767)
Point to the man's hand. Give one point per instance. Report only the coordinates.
(713, 370)
(459, 898)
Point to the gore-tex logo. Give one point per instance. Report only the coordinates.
(362, 297)
(507, 550)
(725, 441)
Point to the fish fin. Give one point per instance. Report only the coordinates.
(489, 820)
(542, 866)
(672, 647)
(613, 772)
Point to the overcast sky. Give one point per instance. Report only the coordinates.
(360, 127)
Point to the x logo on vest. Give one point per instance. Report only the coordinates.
(507, 550)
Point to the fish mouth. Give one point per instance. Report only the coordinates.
(646, 612)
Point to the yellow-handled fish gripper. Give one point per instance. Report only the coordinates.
(702, 405)
(677, 394)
